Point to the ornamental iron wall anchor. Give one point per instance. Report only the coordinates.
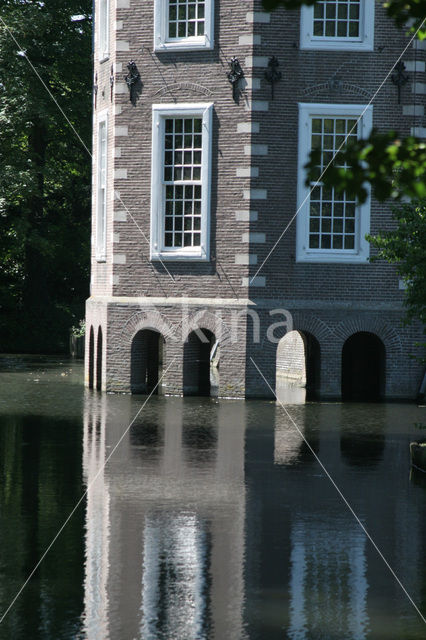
(134, 82)
(400, 78)
(111, 81)
(335, 85)
(234, 77)
(272, 75)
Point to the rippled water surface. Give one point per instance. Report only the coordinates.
(210, 520)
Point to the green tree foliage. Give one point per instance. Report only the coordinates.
(395, 167)
(406, 247)
(44, 170)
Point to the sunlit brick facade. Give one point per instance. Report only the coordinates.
(195, 181)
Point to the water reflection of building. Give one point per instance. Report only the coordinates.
(328, 583)
(165, 522)
(200, 528)
(97, 514)
(310, 570)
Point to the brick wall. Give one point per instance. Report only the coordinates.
(254, 183)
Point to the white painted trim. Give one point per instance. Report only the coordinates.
(101, 240)
(103, 47)
(159, 113)
(161, 41)
(303, 254)
(365, 42)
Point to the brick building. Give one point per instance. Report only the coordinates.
(201, 218)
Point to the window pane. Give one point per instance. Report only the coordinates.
(342, 29)
(353, 29)
(342, 11)
(182, 203)
(325, 242)
(336, 19)
(354, 11)
(319, 10)
(330, 11)
(186, 19)
(330, 28)
(314, 241)
(337, 242)
(318, 28)
(331, 214)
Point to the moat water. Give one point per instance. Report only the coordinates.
(210, 520)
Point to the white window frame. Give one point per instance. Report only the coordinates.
(361, 252)
(159, 114)
(163, 43)
(365, 41)
(103, 30)
(101, 208)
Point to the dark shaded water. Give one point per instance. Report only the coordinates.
(211, 520)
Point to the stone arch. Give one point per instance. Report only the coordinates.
(335, 87)
(190, 87)
(376, 325)
(210, 321)
(146, 361)
(312, 324)
(304, 323)
(91, 357)
(265, 353)
(200, 363)
(153, 320)
(387, 334)
(363, 367)
(298, 365)
(291, 358)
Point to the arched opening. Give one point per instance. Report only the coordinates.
(201, 364)
(99, 361)
(91, 357)
(146, 362)
(298, 367)
(363, 368)
(313, 366)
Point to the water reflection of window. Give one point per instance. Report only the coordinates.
(328, 585)
(175, 579)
